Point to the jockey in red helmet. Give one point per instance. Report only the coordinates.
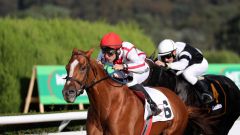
(124, 56)
(110, 44)
(111, 40)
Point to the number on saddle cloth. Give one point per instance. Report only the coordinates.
(116, 75)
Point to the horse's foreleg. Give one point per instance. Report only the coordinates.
(93, 125)
(93, 130)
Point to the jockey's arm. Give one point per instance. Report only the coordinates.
(182, 63)
(178, 65)
(136, 63)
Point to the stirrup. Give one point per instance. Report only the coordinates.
(155, 110)
(206, 98)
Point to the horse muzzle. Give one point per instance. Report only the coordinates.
(69, 95)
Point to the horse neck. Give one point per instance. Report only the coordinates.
(159, 76)
(103, 92)
(167, 78)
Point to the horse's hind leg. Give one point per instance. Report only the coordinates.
(179, 123)
(168, 128)
(158, 128)
(177, 127)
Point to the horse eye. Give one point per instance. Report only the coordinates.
(82, 68)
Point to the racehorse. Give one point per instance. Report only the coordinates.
(209, 121)
(114, 108)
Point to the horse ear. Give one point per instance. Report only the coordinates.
(74, 50)
(89, 52)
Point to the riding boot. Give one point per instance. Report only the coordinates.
(153, 105)
(206, 95)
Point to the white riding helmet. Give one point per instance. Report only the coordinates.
(166, 47)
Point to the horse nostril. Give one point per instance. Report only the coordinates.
(71, 92)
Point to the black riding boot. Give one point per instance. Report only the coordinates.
(153, 105)
(206, 95)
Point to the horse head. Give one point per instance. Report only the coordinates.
(78, 74)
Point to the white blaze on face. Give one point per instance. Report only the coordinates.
(72, 67)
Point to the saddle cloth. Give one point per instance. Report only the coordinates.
(162, 102)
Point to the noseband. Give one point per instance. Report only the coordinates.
(83, 83)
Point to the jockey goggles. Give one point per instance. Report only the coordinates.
(167, 56)
(108, 51)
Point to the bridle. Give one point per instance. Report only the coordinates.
(83, 83)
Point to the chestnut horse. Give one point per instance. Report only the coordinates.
(114, 108)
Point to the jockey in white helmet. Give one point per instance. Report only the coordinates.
(187, 60)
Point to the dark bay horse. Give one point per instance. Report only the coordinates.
(114, 108)
(217, 122)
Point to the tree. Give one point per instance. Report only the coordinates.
(228, 36)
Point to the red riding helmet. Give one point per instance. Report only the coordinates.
(111, 40)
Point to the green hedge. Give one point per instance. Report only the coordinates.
(222, 57)
(28, 42)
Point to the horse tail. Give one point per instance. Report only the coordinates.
(199, 121)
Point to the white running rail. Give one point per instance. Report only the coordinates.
(35, 118)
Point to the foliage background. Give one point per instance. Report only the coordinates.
(28, 42)
(206, 24)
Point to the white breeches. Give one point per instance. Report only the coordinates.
(138, 78)
(192, 72)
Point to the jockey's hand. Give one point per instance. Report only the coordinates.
(118, 67)
(160, 63)
(116, 75)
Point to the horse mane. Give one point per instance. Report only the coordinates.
(160, 76)
(100, 70)
(97, 66)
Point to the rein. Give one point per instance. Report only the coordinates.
(85, 85)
